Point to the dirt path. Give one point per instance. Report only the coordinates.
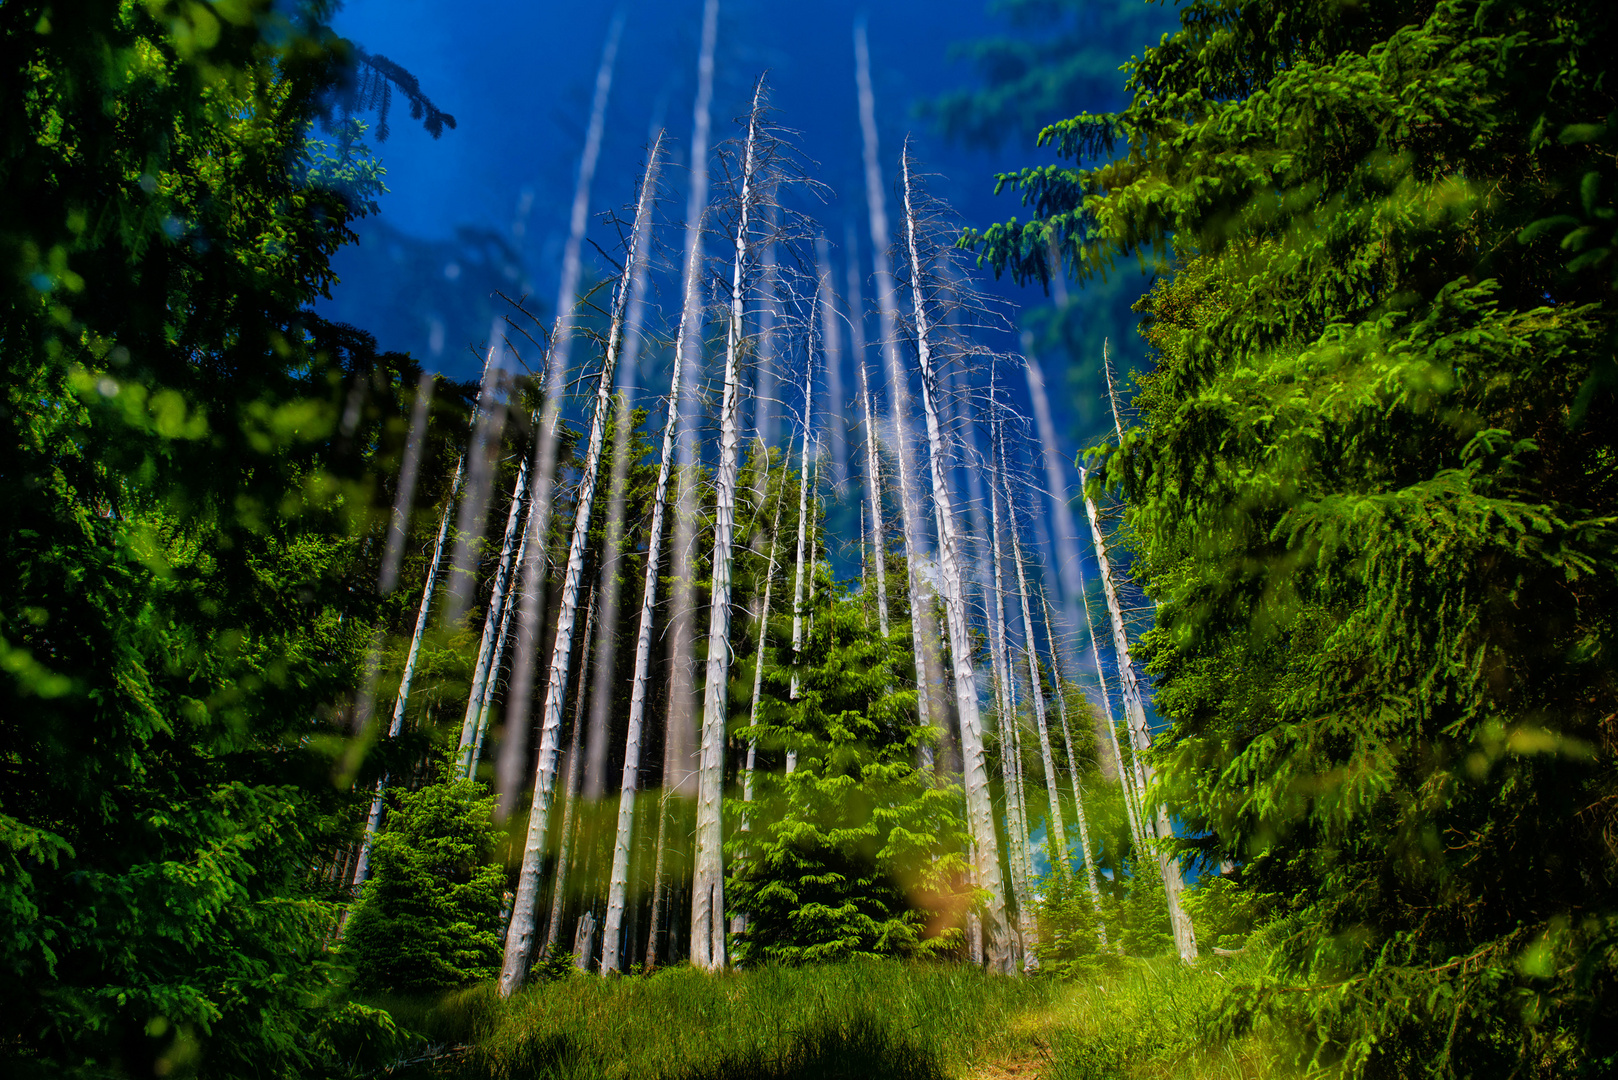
(1034, 1034)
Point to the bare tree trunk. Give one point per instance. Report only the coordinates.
(630, 781)
(696, 204)
(404, 498)
(873, 459)
(949, 547)
(928, 712)
(570, 805)
(493, 623)
(486, 699)
(520, 932)
(362, 866)
(833, 338)
(739, 923)
(679, 773)
(660, 884)
(405, 494)
(708, 876)
(1070, 571)
(1005, 686)
(1140, 737)
(1085, 849)
(1017, 832)
(1128, 774)
(1057, 834)
(803, 539)
(531, 617)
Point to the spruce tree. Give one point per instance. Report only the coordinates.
(1372, 488)
(856, 852)
(429, 917)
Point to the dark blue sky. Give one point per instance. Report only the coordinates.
(487, 204)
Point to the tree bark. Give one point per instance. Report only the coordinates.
(974, 763)
(708, 877)
(493, 622)
(362, 865)
(1057, 834)
(873, 459)
(1140, 738)
(570, 804)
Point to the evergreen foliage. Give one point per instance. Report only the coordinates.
(1372, 488)
(429, 917)
(856, 853)
(185, 488)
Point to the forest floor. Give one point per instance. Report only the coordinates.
(859, 1020)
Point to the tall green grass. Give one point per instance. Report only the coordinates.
(1156, 1020)
(1136, 1020)
(911, 1022)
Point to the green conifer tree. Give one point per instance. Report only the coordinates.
(1372, 489)
(856, 852)
(429, 917)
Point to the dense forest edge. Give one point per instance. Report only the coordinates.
(327, 683)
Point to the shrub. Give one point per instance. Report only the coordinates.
(429, 917)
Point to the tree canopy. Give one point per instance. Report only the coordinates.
(1371, 485)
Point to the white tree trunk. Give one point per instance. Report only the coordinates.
(873, 459)
(1056, 833)
(1017, 831)
(570, 804)
(520, 931)
(1085, 849)
(486, 701)
(1140, 737)
(1069, 564)
(680, 747)
(708, 881)
(758, 664)
(362, 866)
(738, 924)
(833, 338)
(974, 765)
(531, 617)
(910, 516)
(630, 781)
(1128, 774)
(493, 623)
(803, 539)
(404, 497)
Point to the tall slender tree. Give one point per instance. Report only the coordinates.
(708, 884)
(1086, 851)
(979, 809)
(873, 457)
(531, 617)
(575, 786)
(492, 680)
(494, 622)
(373, 820)
(798, 579)
(518, 943)
(1159, 828)
(1056, 832)
(929, 676)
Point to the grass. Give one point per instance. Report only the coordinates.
(1146, 1020)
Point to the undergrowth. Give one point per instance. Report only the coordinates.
(1153, 1020)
